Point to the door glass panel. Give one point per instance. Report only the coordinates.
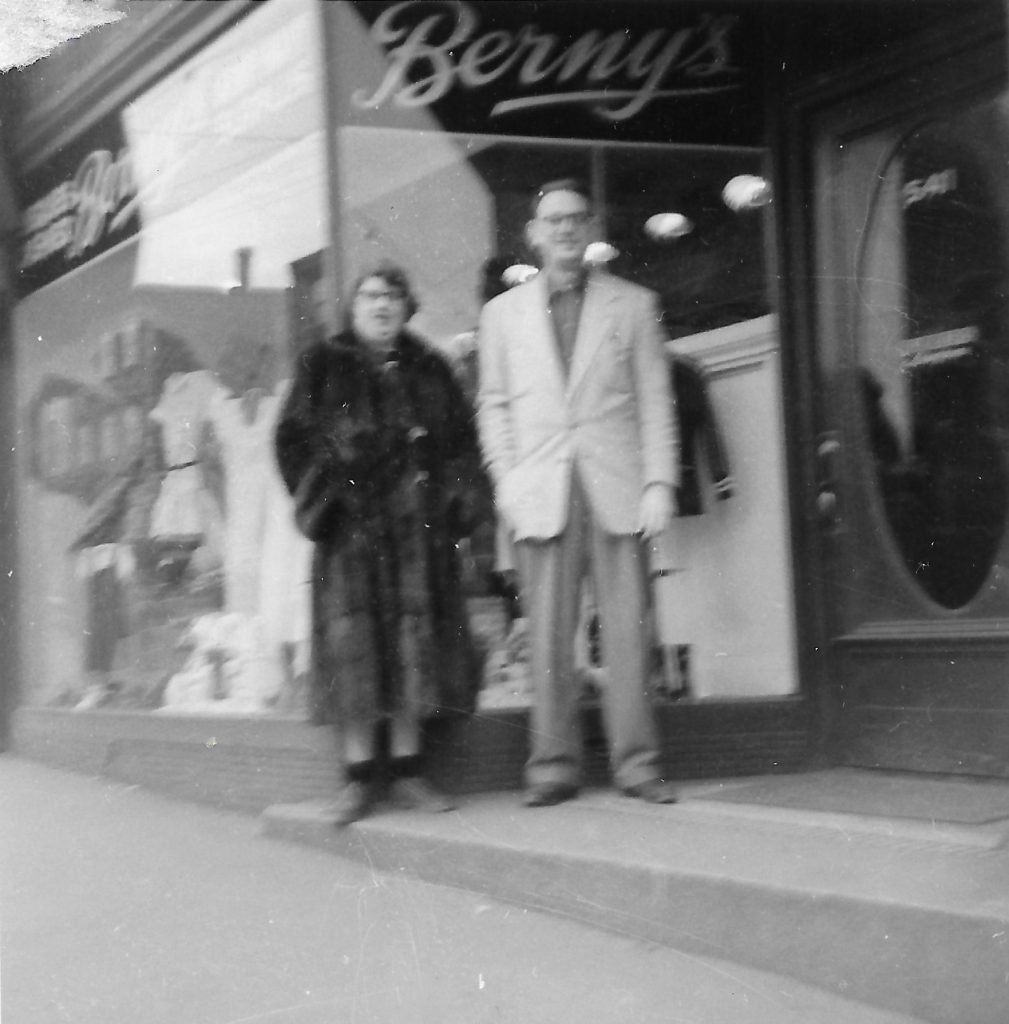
(933, 337)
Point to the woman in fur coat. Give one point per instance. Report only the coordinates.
(378, 447)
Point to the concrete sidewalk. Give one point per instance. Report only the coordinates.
(121, 906)
(907, 911)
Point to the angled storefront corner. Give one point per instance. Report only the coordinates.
(188, 229)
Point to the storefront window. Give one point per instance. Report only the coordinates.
(451, 115)
(160, 567)
(179, 254)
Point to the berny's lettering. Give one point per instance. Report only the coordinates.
(429, 56)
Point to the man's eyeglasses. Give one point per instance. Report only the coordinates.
(374, 295)
(576, 220)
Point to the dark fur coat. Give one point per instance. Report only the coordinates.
(382, 458)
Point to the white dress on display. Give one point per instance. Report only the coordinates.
(184, 507)
(285, 593)
(243, 427)
(267, 563)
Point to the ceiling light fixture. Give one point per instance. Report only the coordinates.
(746, 192)
(597, 253)
(518, 273)
(665, 227)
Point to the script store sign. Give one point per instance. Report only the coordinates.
(663, 72)
(79, 205)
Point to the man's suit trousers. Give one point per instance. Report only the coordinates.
(551, 573)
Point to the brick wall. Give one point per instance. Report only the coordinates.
(249, 764)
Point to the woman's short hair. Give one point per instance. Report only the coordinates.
(395, 277)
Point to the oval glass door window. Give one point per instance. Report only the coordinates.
(933, 348)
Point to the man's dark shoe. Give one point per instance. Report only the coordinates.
(652, 791)
(356, 799)
(546, 794)
(418, 794)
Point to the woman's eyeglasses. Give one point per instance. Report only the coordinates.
(375, 295)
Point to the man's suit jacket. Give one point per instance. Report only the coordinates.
(611, 414)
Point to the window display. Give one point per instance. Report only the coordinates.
(161, 568)
(678, 205)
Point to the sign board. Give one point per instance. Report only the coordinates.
(81, 204)
(667, 72)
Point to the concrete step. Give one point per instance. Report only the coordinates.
(906, 914)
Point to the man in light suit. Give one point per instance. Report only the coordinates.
(576, 419)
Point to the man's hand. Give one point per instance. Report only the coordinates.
(656, 510)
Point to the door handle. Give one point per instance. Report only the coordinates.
(828, 475)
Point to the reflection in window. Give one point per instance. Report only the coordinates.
(229, 155)
(56, 435)
(934, 350)
(133, 427)
(110, 437)
(87, 444)
(133, 349)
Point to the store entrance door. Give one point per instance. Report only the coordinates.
(911, 237)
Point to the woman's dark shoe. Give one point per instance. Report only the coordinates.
(546, 794)
(417, 794)
(354, 802)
